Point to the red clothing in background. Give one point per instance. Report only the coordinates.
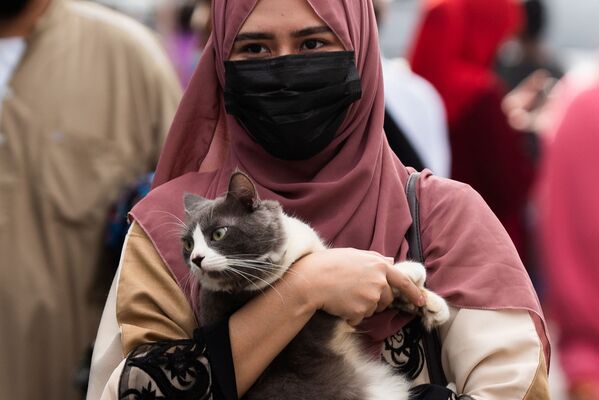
(454, 50)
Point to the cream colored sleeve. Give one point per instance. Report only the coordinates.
(111, 389)
(150, 305)
(495, 355)
(145, 305)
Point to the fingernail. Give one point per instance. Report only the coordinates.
(421, 301)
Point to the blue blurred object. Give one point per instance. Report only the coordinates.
(117, 223)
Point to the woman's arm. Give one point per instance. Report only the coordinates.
(349, 283)
(492, 355)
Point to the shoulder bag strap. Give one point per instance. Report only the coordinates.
(430, 340)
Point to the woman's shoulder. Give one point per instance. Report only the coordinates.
(452, 211)
(446, 194)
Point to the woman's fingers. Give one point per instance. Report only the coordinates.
(386, 299)
(401, 282)
(353, 284)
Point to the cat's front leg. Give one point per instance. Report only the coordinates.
(436, 311)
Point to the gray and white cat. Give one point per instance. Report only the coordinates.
(238, 245)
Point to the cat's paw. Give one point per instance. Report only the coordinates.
(414, 270)
(435, 312)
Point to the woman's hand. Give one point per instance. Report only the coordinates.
(351, 284)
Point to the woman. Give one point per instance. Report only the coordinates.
(348, 184)
(485, 151)
(569, 228)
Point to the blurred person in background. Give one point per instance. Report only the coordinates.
(526, 54)
(569, 232)
(87, 98)
(201, 22)
(415, 121)
(184, 26)
(455, 49)
(529, 71)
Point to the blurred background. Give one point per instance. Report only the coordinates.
(543, 68)
(572, 32)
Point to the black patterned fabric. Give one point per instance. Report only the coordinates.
(404, 350)
(184, 370)
(435, 392)
(177, 370)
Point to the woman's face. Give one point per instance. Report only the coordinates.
(283, 27)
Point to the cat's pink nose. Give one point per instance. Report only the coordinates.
(198, 261)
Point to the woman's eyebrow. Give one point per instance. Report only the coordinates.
(311, 31)
(254, 36)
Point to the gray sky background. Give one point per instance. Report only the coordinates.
(572, 31)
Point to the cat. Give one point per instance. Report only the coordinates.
(238, 245)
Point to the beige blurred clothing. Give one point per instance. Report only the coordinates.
(88, 109)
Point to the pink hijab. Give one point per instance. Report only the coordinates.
(352, 193)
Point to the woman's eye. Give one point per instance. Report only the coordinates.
(188, 245)
(219, 234)
(312, 44)
(254, 49)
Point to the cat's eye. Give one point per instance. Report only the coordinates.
(219, 234)
(188, 244)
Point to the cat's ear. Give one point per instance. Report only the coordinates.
(191, 201)
(242, 189)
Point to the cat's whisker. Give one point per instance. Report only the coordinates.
(250, 260)
(187, 282)
(176, 233)
(243, 255)
(241, 274)
(275, 240)
(246, 278)
(266, 267)
(263, 267)
(272, 276)
(255, 261)
(170, 215)
(260, 279)
(271, 272)
(178, 224)
(179, 231)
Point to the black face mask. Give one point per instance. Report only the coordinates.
(292, 105)
(12, 8)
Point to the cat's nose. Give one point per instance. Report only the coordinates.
(198, 261)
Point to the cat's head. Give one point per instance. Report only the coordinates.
(235, 242)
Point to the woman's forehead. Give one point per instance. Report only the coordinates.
(281, 16)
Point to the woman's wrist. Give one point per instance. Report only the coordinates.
(302, 288)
